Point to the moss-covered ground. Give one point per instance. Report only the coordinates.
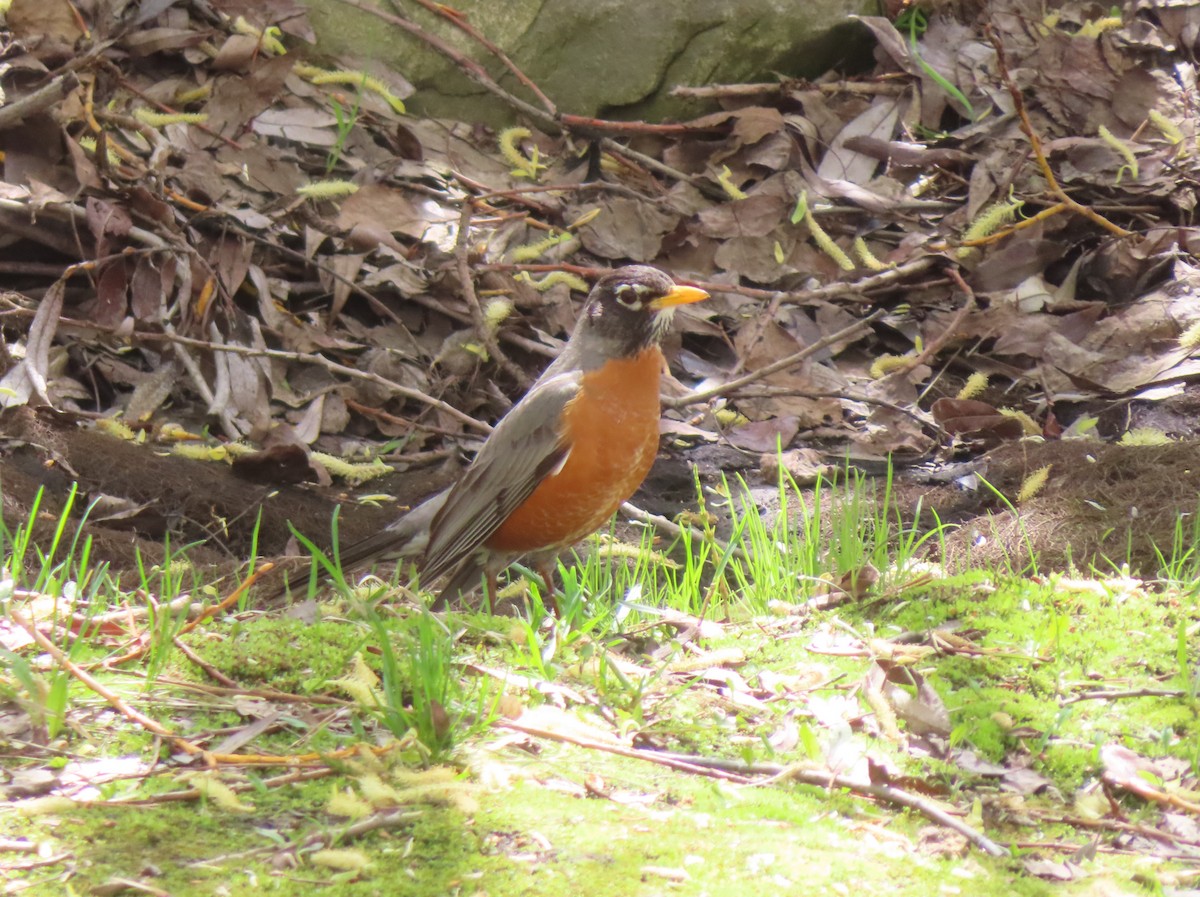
(999, 699)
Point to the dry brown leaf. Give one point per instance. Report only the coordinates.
(27, 379)
(48, 28)
(877, 121)
(392, 210)
(627, 229)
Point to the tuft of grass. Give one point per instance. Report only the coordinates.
(345, 121)
(1031, 566)
(422, 692)
(321, 564)
(70, 583)
(1180, 568)
(161, 585)
(839, 529)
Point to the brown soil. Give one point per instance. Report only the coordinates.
(1103, 504)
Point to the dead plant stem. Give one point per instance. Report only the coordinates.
(848, 332)
(1035, 142)
(485, 331)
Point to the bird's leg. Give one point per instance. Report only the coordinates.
(489, 594)
(545, 569)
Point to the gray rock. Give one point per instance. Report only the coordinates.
(606, 58)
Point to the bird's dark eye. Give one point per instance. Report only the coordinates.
(630, 295)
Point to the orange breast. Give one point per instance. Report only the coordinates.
(612, 427)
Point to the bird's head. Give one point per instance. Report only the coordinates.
(630, 309)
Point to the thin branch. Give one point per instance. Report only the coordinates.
(849, 290)
(586, 123)
(693, 765)
(396, 420)
(1035, 142)
(460, 21)
(486, 334)
(1103, 695)
(116, 701)
(324, 837)
(704, 186)
(40, 100)
(1113, 825)
(1049, 212)
(203, 615)
(897, 797)
(673, 529)
(332, 366)
(767, 392)
(469, 66)
(477, 73)
(717, 91)
(300, 357)
(79, 214)
(795, 358)
(749, 774)
(267, 694)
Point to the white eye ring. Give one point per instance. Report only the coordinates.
(630, 295)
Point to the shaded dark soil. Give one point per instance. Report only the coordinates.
(1102, 504)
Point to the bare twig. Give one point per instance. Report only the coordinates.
(396, 420)
(673, 529)
(795, 358)
(46, 96)
(267, 694)
(1035, 142)
(766, 392)
(704, 186)
(551, 121)
(533, 347)
(301, 357)
(486, 334)
(586, 123)
(710, 91)
(895, 796)
(459, 21)
(672, 762)
(115, 700)
(469, 66)
(751, 774)
(308, 358)
(1020, 225)
(1116, 695)
(200, 617)
(1113, 825)
(935, 345)
(756, 330)
(79, 214)
(328, 837)
(210, 669)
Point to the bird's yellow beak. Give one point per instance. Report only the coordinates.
(678, 296)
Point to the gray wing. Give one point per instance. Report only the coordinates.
(523, 450)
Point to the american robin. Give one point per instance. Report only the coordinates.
(563, 459)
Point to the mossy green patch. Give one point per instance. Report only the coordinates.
(193, 849)
(283, 653)
(1042, 645)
